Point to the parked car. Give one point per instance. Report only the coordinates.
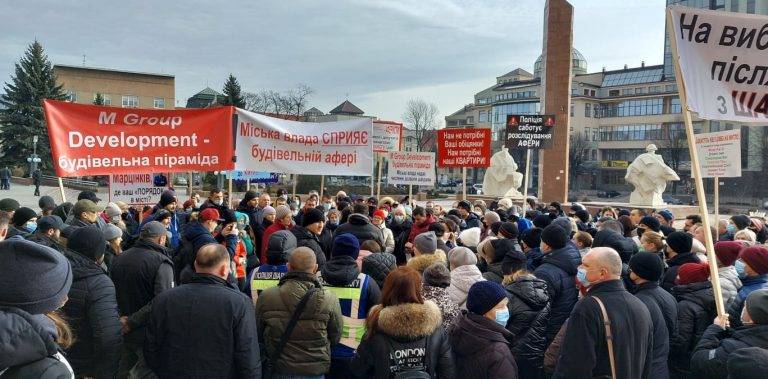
(608, 194)
(180, 180)
(671, 200)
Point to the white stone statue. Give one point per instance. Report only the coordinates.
(501, 178)
(649, 175)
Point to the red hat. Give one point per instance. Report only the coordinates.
(728, 252)
(380, 214)
(189, 203)
(692, 273)
(756, 257)
(210, 214)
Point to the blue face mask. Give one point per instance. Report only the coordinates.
(740, 269)
(582, 276)
(327, 207)
(31, 226)
(731, 229)
(502, 316)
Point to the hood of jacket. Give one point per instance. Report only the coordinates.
(358, 219)
(302, 233)
(562, 258)
(340, 271)
(82, 267)
(531, 290)
(609, 238)
(409, 321)
(194, 231)
(472, 334)
(25, 338)
(752, 335)
(700, 293)
(463, 277)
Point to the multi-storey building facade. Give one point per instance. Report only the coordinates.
(118, 88)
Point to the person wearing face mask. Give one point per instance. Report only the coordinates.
(268, 215)
(283, 221)
(719, 341)
(677, 253)
(471, 220)
(725, 230)
(48, 232)
(584, 352)
(752, 267)
(480, 340)
(215, 200)
(379, 220)
(140, 274)
(23, 222)
(646, 224)
(401, 226)
(727, 252)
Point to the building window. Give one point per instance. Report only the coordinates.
(587, 110)
(483, 116)
(586, 134)
(71, 96)
(674, 105)
(471, 120)
(633, 132)
(734, 6)
(614, 93)
(130, 101)
(159, 102)
(107, 99)
(626, 108)
(639, 90)
(670, 88)
(654, 89)
(627, 91)
(751, 6)
(572, 107)
(595, 134)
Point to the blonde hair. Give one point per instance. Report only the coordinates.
(513, 277)
(64, 336)
(584, 238)
(654, 238)
(745, 235)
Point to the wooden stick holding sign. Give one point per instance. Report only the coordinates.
(378, 178)
(464, 183)
(61, 190)
(716, 203)
(696, 172)
(322, 185)
(526, 180)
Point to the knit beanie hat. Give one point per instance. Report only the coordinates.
(113, 211)
(9, 205)
(490, 217)
(437, 275)
(346, 244)
(248, 196)
(727, 252)
(483, 296)
(542, 221)
(46, 203)
(110, 231)
(280, 245)
(88, 241)
(757, 306)
(268, 210)
(312, 216)
(565, 223)
(756, 257)
(33, 277)
(680, 242)
(748, 362)
(22, 215)
(505, 204)
(426, 243)
(651, 223)
(583, 215)
(167, 197)
(380, 213)
(508, 230)
(470, 237)
(554, 236)
(501, 247)
(532, 237)
(513, 261)
(282, 211)
(647, 266)
(692, 273)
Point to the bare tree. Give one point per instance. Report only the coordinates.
(420, 117)
(293, 102)
(578, 154)
(673, 146)
(297, 99)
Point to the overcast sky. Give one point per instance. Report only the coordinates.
(379, 53)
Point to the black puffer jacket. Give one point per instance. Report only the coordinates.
(92, 314)
(710, 359)
(623, 245)
(695, 312)
(28, 346)
(529, 309)
(360, 226)
(410, 332)
(308, 239)
(378, 266)
(668, 280)
(481, 348)
(559, 272)
(400, 231)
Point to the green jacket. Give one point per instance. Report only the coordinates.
(308, 351)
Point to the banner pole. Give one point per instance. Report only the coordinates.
(526, 178)
(378, 178)
(696, 171)
(410, 193)
(322, 185)
(247, 184)
(61, 190)
(716, 204)
(464, 183)
(231, 195)
(295, 181)
(189, 183)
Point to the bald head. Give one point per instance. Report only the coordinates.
(303, 259)
(212, 259)
(605, 258)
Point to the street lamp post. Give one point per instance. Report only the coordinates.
(33, 159)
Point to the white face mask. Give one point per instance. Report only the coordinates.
(218, 202)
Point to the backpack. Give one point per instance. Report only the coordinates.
(399, 363)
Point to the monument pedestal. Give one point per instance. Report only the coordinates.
(680, 211)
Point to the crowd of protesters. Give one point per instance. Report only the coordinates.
(344, 286)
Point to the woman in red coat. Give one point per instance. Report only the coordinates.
(283, 221)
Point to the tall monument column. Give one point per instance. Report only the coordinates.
(556, 98)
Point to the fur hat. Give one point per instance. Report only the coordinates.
(470, 237)
(437, 275)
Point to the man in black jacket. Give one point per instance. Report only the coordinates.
(559, 271)
(48, 232)
(584, 353)
(645, 269)
(359, 225)
(219, 341)
(308, 234)
(678, 252)
(140, 273)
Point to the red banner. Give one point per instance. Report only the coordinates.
(94, 140)
(464, 147)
